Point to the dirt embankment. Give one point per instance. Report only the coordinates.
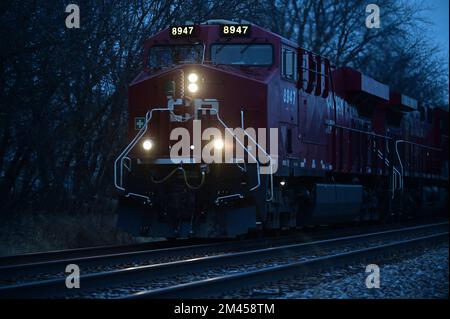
(29, 232)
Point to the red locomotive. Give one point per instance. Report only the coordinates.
(234, 128)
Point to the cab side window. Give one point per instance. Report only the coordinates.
(289, 64)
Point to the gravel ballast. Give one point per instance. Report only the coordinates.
(423, 274)
(115, 292)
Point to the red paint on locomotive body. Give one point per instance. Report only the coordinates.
(260, 92)
(334, 125)
(235, 88)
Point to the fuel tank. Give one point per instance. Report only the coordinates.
(333, 203)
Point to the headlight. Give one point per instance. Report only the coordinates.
(147, 145)
(218, 144)
(192, 87)
(192, 77)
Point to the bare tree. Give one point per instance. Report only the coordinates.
(63, 92)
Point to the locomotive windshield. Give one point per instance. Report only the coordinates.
(242, 54)
(169, 55)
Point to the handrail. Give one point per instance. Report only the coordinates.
(270, 158)
(400, 160)
(118, 178)
(246, 149)
(396, 177)
(395, 171)
(133, 143)
(359, 131)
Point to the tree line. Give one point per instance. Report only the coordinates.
(63, 96)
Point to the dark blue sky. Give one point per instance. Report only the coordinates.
(438, 32)
(439, 16)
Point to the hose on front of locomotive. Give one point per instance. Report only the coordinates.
(185, 178)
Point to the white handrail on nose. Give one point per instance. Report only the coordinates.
(118, 180)
(253, 157)
(133, 143)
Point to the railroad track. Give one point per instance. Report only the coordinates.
(42, 257)
(50, 265)
(214, 274)
(105, 257)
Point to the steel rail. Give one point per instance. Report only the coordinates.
(57, 287)
(217, 286)
(109, 255)
(38, 257)
(55, 261)
(105, 258)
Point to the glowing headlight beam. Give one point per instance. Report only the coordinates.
(147, 145)
(192, 77)
(192, 87)
(218, 144)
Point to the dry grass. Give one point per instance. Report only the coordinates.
(40, 232)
